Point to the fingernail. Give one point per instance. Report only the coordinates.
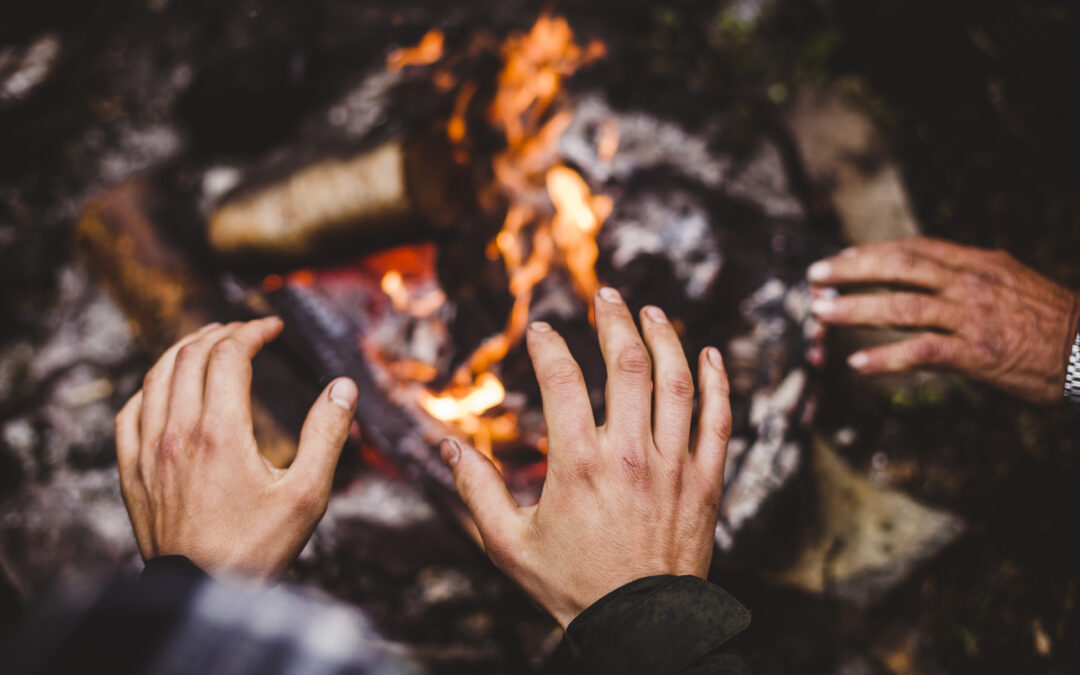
(656, 314)
(540, 326)
(610, 294)
(212, 325)
(819, 271)
(823, 306)
(858, 360)
(450, 450)
(344, 394)
(713, 355)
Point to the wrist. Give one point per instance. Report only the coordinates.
(1071, 389)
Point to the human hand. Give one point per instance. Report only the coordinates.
(988, 316)
(633, 498)
(191, 473)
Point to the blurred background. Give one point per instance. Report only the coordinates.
(716, 146)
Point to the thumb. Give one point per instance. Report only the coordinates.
(483, 490)
(324, 433)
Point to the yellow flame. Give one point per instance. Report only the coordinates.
(535, 235)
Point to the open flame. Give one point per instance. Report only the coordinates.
(552, 217)
(428, 51)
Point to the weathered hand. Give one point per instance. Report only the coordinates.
(988, 316)
(636, 497)
(190, 471)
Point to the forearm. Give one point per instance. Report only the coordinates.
(659, 625)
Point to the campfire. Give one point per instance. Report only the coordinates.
(411, 256)
(493, 212)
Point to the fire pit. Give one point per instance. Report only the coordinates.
(552, 191)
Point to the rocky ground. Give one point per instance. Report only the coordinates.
(973, 100)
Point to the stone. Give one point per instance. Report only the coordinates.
(864, 539)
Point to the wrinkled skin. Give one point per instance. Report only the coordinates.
(633, 498)
(191, 473)
(987, 316)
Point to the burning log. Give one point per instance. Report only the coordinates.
(398, 188)
(166, 297)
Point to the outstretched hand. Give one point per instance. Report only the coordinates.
(633, 498)
(191, 473)
(987, 315)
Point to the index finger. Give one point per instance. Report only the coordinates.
(890, 262)
(228, 374)
(567, 410)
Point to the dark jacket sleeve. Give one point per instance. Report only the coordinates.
(655, 626)
(117, 629)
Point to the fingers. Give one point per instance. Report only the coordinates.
(714, 424)
(674, 396)
(127, 434)
(629, 374)
(567, 409)
(228, 372)
(485, 494)
(155, 401)
(188, 386)
(322, 437)
(928, 349)
(894, 262)
(917, 310)
(131, 486)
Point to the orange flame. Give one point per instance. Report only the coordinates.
(552, 216)
(427, 51)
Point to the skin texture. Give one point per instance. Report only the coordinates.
(987, 316)
(635, 497)
(191, 473)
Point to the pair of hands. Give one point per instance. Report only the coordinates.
(987, 316)
(636, 497)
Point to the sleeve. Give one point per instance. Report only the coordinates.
(117, 627)
(658, 625)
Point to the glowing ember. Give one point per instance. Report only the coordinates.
(455, 407)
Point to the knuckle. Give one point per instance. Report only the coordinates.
(499, 548)
(563, 375)
(187, 353)
(171, 446)
(152, 377)
(635, 466)
(226, 349)
(711, 496)
(973, 282)
(208, 432)
(677, 387)
(306, 501)
(633, 362)
(928, 351)
(907, 260)
(993, 344)
(906, 306)
(583, 465)
(720, 430)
